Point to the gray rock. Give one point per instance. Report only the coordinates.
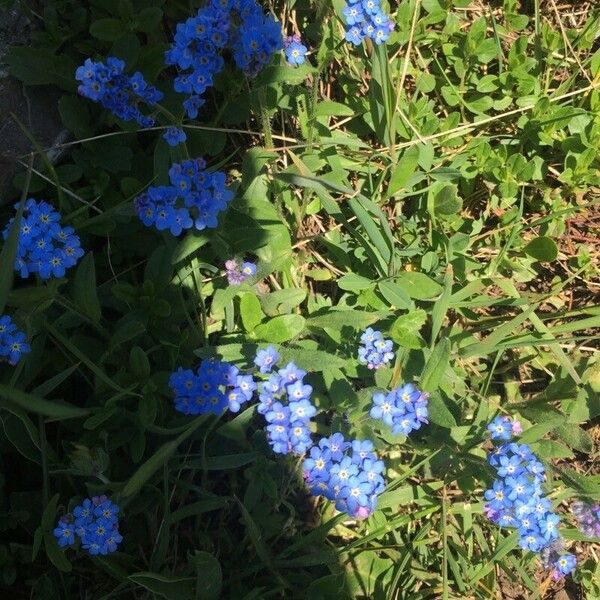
(36, 107)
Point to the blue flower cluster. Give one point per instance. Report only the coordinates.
(348, 473)
(516, 498)
(375, 352)
(588, 518)
(365, 18)
(237, 25)
(45, 247)
(215, 387)
(13, 343)
(116, 91)
(284, 400)
(295, 50)
(194, 198)
(238, 273)
(95, 522)
(403, 409)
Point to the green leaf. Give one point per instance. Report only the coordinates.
(255, 535)
(280, 74)
(251, 312)
(444, 198)
(209, 576)
(404, 330)
(418, 285)
(35, 404)
(107, 29)
(197, 508)
(436, 366)
(75, 115)
(395, 294)
(329, 108)
(55, 554)
(189, 245)
(336, 319)
(354, 283)
(311, 360)
(171, 587)
(280, 329)
(9, 250)
(282, 301)
(543, 249)
(38, 66)
(149, 18)
(229, 461)
(158, 459)
(85, 289)
(405, 169)
(439, 413)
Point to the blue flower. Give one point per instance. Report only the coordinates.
(516, 497)
(266, 359)
(317, 464)
(295, 53)
(174, 136)
(302, 410)
(291, 374)
(496, 496)
(383, 408)
(336, 444)
(509, 466)
(299, 391)
(500, 428)
(284, 400)
(565, 564)
(64, 533)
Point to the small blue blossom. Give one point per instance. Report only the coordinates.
(500, 428)
(295, 50)
(238, 273)
(564, 565)
(64, 533)
(266, 359)
(174, 136)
